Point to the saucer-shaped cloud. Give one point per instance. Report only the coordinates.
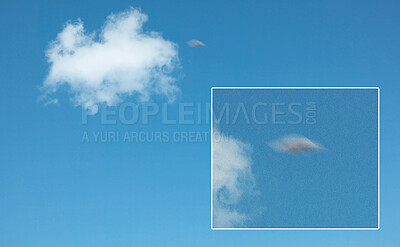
(296, 144)
(120, 61)
(196, 43)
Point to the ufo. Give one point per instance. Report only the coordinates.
(196, 43)
(296, 144)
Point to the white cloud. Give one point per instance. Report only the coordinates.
(122, 60)
(295, 144)
(224, 217)
(232, 178)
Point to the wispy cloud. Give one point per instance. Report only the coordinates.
(232, 179)
(121, 60)
(295, 144)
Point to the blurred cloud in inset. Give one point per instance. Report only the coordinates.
(296, 144)
(232, 179)
(121, 60)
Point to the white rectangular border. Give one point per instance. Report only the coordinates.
(284, 229)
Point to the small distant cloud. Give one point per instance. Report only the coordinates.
(121, 60)
(232, 179)
(196, 43)
(296, 144)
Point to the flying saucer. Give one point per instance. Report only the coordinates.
(196, 43)
(296, 144)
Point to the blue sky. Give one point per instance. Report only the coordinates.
(337, 187)
(57, 191)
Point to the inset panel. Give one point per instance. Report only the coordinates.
(295, 158)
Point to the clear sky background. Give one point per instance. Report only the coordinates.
(57, 191)
(337, 187)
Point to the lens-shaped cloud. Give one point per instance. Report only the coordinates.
(296, 144)
(196, 43)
